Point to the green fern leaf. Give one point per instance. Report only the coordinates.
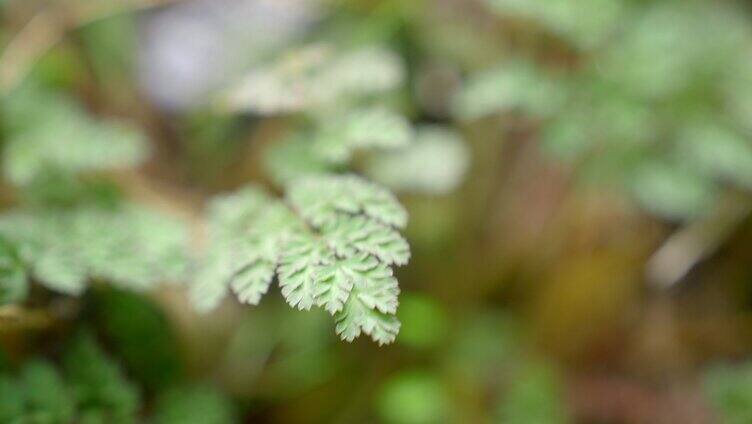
(298, 269)
(374, 127)
(348, 235)
(368, 70)
(435, 162)
(346, 251)
(510, 86)
(293, 158)
(314, 76)
(320, 200)
(128, 246)
(55, 134)
(356, 318)
(246, 233)
(252, 282)
(372, 302)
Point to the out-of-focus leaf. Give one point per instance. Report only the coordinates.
(488, 343)
(101, 390)
(48, 398)
(194, 405)
(424, 321)
(414, 397)
(366, 128)
(127, 246)
(534, 397)
(717, 151)
(315, 76)
(434, 163)
(291, 159)
(14, 284)
(48, 132)
(672, 45)
(12, 401)
(140, 335)
(671, 191)
(730, 391)
(514, 86)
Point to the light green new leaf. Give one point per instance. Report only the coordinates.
(299, 265)
(54, 134)
(356, 319)
(508, 87)
(671, 191)
(372, 302)
(434, 163)
(315, 76)
(321, 199)
(252, 282)
(367, 128)
(291, 159)
(126, 245)
(247, 230)
(717, 151)
(348, 235)
(334, 281)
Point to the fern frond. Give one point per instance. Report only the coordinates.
(315, 76)
(510, 86)
(299, 265)
(54, 134)
(366, 128)
(252, 282)
(369, 308)
(246, 232)
(348, 235)
(294, 158)
(128, 246)
(337, 253)
(435, 162)
(368, 70)
(321, 199)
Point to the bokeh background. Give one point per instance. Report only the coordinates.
(584, 255)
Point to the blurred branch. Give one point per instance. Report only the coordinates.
(14, 317)
(36, 38)
(48, 26)
(695, 242)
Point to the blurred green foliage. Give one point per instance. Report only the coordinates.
(521, 292)
(413, 397)
(646, 104)
(141, 336)
(534, 396)
(194, 405)
(728, 388)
